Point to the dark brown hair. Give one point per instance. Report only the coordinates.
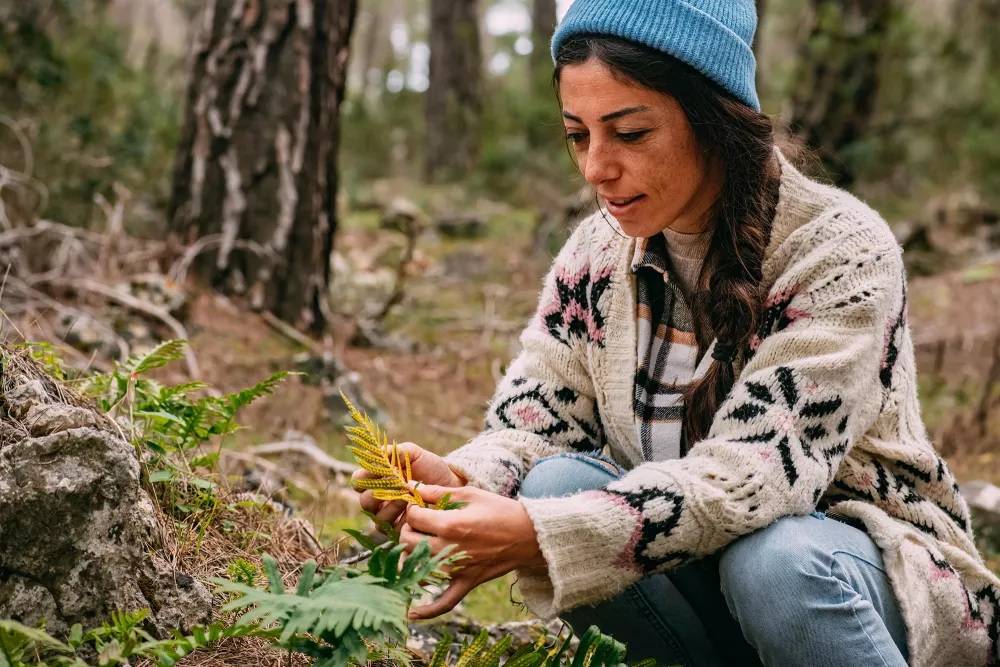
(743, 141)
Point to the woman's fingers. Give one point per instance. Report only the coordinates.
(411, 538)
(391, 511)
(370, 503)
(455, 593)
(428, 521)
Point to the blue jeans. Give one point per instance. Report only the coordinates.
(806, 591)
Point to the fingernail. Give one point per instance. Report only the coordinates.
(414, 615)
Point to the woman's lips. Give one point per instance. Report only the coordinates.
(622, 206)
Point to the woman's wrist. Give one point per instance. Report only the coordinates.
(533, 558)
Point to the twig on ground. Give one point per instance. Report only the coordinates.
(291, 332)
(364, 555)
(137, 305)
(306, 449)
(178, 271)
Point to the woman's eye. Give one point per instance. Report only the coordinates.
(576, 137)
(630, 137)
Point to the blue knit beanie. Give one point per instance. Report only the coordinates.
(713, 36)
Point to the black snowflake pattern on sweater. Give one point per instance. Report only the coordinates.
(533, 410)
(794, 415)
(660, 511)
(574, 312)
(982, 607)
(778, 315)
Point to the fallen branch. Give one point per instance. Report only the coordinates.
(178, 271)
(309, 450)
(135, 304)
(291, 332)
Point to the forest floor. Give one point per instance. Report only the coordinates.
(464, 312)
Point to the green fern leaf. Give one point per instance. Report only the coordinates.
(159, 356)
(491, 656)
(247, 396)
(469, 654)
(274, 582)
(440, 655)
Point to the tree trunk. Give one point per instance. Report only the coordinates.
(757, 41)
(543, 26)
(836, 88)
(761, 8)
(256, 170)
(539, 128)
(454, 104)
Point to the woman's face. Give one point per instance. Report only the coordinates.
(636, 147)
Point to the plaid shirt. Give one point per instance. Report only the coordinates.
(667, 352)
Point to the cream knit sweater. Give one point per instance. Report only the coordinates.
(824, 413)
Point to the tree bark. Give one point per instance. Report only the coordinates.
(761, 9)
(543, 26)
(454, 104)
(257, 162)
(837, 85)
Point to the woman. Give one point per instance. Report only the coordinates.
(734, 336)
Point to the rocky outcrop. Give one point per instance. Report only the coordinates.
(77, 531)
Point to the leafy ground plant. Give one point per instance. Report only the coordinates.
(339, 616)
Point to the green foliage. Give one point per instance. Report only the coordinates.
(118, 643)
(243, 572)
(171, 425)
(170, 419)
(20, 644)
(93, 118)
(338, 615)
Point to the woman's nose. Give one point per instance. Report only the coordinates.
(601, 165)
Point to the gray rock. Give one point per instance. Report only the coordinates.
(982, 495)
(24, 396)
(52, 418)
(179, 600)
(402, 215)
(75, 530)
(332, 377)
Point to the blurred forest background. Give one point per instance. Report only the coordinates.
(370, 191)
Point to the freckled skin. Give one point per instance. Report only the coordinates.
(652, 152)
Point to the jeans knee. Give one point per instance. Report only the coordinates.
(764, 575)
(566, 474)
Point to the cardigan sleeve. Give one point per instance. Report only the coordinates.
(808, 391)
(545, 403)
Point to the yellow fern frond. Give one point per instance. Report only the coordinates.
(374, 454)
(379, 483)
(373, 464)
(408, 496)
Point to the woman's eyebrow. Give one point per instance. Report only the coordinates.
(610, 116)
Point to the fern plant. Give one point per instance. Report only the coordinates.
(595, 650)
(334, 616)
(392, 472)
(168, 424)
(116, 643)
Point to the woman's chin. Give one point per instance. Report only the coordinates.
(638, 228)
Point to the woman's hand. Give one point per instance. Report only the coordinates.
(495, 532)
(427, 467)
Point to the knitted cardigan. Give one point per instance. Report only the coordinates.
(824, 413)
